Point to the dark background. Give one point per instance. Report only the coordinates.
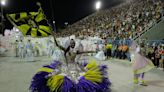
(59, 10)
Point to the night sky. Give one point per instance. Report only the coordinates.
(59, 10)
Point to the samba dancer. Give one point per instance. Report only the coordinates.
(76, 78)
(140, 64)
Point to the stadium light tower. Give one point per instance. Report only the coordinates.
(98, 5)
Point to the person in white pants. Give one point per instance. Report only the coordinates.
(21, 49)
(29, 51)
(50, 49)
(36, 49)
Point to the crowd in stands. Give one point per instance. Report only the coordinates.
(123, 21)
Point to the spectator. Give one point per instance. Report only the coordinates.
(157, 56)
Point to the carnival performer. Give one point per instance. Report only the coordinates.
(140, 64)
(16, 48)
(37, 49)
(21, 49)
(70, 76)
(50, 48)
(101, 55)
(29, 51)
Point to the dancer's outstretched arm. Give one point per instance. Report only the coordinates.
(56, 43)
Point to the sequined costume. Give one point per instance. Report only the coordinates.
(70, 76)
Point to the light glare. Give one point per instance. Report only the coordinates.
(3, 2)
(98, 5)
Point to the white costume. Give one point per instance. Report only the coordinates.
(37, 51)
(100, 55)
(140, 64)
(29, 52)
(50, 49)
(21, 49)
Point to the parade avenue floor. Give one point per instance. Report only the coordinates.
(16, 74)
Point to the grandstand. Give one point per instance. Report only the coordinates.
(127, 20)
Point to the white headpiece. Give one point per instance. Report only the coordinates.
(72, 37)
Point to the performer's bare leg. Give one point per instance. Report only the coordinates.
(136, 76)
(142, 80)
